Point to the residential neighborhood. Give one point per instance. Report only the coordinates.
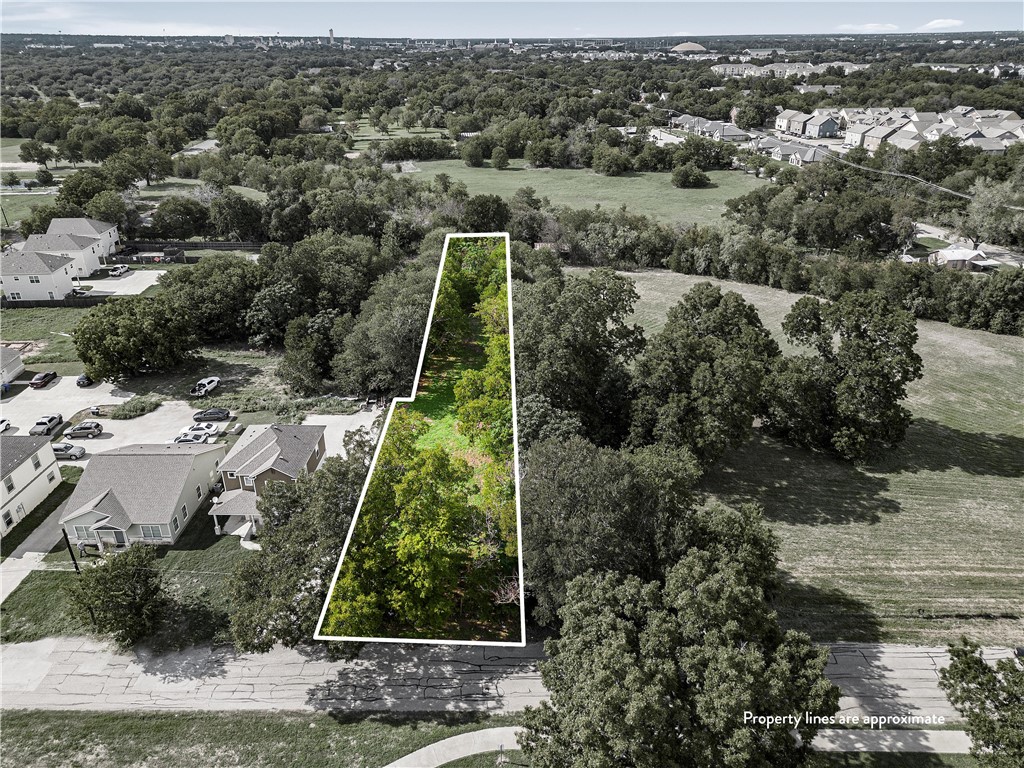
(440, 385)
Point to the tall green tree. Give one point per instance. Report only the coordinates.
(698, 382)
(846, 398)
(589, 508)
(124, 591)
(131, 334)
(215, 293)
(277, 594)
(573, 345)
(650, 675)
(990, 697)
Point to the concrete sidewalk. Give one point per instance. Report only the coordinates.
(493, 739)
(62, 673)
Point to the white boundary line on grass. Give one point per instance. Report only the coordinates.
(380, 442)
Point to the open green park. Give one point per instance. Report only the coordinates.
(919, 545)
(651, 194)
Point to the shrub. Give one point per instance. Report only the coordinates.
(137, 406)
(689, 176)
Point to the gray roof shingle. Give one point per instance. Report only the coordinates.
(81, 226)
(284, 447)
(135, 484)
(61, 242)
(8, 356)
(15, 450)
(28, 262)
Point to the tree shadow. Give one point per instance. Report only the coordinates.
(797, 486)
(934, 447)
(397, 677)
(826, 614)
(195, 662)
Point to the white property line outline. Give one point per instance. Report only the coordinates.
(380, 443)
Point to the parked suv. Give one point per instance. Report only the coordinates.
(67, 451)
(47, 424)
(120, 269)
(85, 429)
(205, 386)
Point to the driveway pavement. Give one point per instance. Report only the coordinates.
(134, 282)
(159, 426)
(337, 426)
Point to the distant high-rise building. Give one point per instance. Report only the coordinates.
(229, 39)
(330, 34)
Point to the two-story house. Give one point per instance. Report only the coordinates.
(31, 276)
(84, 251)
(29, 473)
(109, 241)
(264, 453)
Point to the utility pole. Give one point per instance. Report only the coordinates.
(67, 541)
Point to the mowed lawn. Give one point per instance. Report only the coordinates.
(40, 739)
(648, 193)
(920, 545)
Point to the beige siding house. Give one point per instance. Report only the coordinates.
(144, 493)
(29, 472)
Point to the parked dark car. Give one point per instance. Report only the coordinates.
(40, 380)
(85, 429)
(212, 414)
(84, 381)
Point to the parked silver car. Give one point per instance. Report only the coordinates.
(67, 451)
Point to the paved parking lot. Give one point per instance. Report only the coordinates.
(62, 396)
(23, 406)
(131, 284)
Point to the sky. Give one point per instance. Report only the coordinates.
(486, 18)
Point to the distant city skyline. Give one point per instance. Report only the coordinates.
(482, 19)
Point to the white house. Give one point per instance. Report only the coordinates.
(805, 156)
(29, 471)
(28, 275)
(11, 365)
(782, 119)
(109, 239)
(855, 133)
(84, 251)
(144, 493)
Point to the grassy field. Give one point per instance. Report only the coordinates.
(38, 739)
(367, 134)
(648, 193)
(177, 186)
(50, 325)
(20, 532)
(435, 397)
(16, 206)
(920, 545)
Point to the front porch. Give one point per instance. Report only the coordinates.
(240, 517)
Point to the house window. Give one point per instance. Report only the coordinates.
(35, 461)
(247, 481)
(151, 532)
(81, 532)
(231, 475)
(33, 278)
(8, 520)
(174, 522)
(50, 477)
(184, 511)
(9, 484)
(199, 493)
(16, 279)
(15, 295)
